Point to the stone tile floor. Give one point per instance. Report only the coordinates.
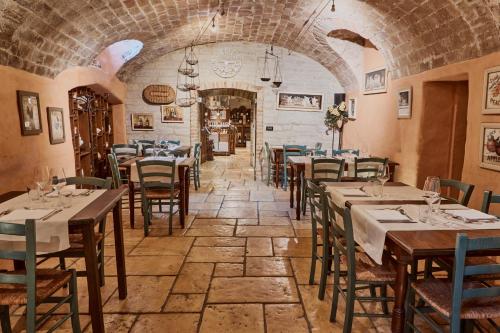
(242, 265)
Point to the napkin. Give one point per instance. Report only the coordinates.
(352, 192)
(25, 214)
(53, 194)
(469, 214)
(388, 215)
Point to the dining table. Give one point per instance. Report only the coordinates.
(84, 221)
(301, 168)
(184, 165)
(412, 238)
(174, 150)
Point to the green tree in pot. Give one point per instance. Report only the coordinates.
(335, 119)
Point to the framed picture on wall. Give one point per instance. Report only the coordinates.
(55, 118)
(351, 109)
(490, 146)
(299, 101)
(404, 103)
(142, 121)
(492, 91)
(28, 104)
(376, 81)
(172, 114)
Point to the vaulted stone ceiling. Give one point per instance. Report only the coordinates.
(48, 36)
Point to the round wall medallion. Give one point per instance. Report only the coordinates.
(227, 64)
(158, 94)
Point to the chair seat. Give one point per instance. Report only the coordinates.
(48, 281)
(161, 194)
(367, 270)
(438, 293)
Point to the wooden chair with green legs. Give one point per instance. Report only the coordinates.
(365, 168)
(465, 190)
(195, 173)
(488, 199)
(115, 171)
(157, 178)
(362, 273)
(32, 286)
(463, 299)
(323, 170)
(290, 150)
(271, 163)
(76, 249)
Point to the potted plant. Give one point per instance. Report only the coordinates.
(335, 119)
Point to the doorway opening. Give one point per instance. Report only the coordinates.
(443, 129)
(227, 122)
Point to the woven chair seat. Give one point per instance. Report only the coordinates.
(48, 281)
(161, 194)
(367, 270)
(438, 293)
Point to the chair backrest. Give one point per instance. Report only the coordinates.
(318, 146)
(269, 153)
(327, 169)
(125, 150)
(462, 272)
(145, 142)
(156, 174)
(28, 255)
(94, 182)
(464, 189)
(293, 150)
(197, 151)
(319, 211)
(488, 199)
(115, 171)
(336, 152)
(174, 142)
(368, 167)
(146, 146)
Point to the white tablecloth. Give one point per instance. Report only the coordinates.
(51, 234)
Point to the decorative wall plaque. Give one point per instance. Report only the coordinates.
(158, 94)
(227, 64)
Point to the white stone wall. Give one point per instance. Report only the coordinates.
(300, 74)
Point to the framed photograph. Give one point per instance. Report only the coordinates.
(299, 102)
(351, 108)
(55, 118)
(492, 91)
(376, 81)
(404, 103)
(142, 121)
(490, 146)
(172, 114)
(28, 104)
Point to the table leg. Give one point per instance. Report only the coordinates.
(182, 197)
(93, 278)
(277, 170)
(298, 195)
(131, 201)
(400, 288)
(186, 194)
(292, 184)
(119, 251)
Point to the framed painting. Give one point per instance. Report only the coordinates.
(490, 146)
(299, 101)
(376, 81)
(28, 104)
(55, 118)
(404, 103)
(492, 91)
(172, 114)
(351, 109)
(142, 121)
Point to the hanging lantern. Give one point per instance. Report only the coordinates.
(278, 80)
(186, 84)
(265, 77)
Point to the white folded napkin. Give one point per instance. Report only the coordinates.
(352, 192)
(52, 194)
(25, 214)
(469, 214)
(387, 215)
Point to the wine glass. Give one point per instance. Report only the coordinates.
(432, 189)
(383, 176)
(41, 178)
(58, 179)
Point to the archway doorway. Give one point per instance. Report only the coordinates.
(228, 122)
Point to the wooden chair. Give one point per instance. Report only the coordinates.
(362, 272)
(32, 286)
(368, 167)
(174, 142)
(125, 151)
(157, 178)
(463, 299)
(290, 150)
(464, 189)
(488, 199)
(271, 164)
(115, 171)
(144, 141)
(76, 249)
(145, 147)
(323, 170)
(195, 171)
(337, 152)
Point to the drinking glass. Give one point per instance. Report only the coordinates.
(41, 178)
(383, 176)
(432, 189)
(58, 182)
